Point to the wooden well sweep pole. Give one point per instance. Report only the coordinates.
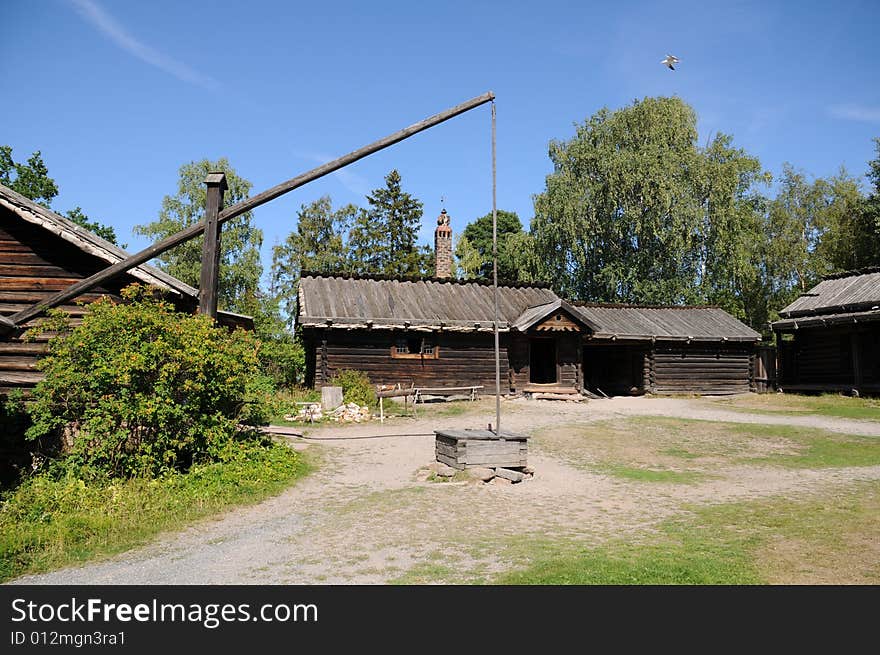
(210, 273)
(196, 229)
(495, 282)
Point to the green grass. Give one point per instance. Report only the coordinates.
(51, 522)
(424, 573)
(830, 539)
(662, 449)
(832, 405)
(819, 451)
(681, 453)
(650, 475)
(691, 561)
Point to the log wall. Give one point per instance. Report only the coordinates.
(711, 369)
(832, 359)
(464, 359)
(34, 265)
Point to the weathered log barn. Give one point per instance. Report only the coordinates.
(439, 333)
(829, 338)
(42, 253)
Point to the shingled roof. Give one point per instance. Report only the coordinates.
(360, 302)
(364, 302)
(669, 323)
(847, 292)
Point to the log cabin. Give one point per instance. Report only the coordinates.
(828, 339)
(42, 253)
(439, 332)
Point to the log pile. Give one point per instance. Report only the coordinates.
(347, 413)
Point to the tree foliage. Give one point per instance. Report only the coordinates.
(240, 267)
(378, 240)
(31, 179)
(636, 211)
(478, 235)
(468, 260)
(104, 231)
(142, 390)
(318, 244)
(383, 238)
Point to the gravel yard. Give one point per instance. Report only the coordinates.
(364, 517)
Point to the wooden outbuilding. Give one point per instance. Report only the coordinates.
(431, 333)
(42, 253)
(666, 349)
(828, 339)
(440, 333)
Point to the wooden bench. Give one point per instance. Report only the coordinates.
(445, 391)
(384, 391)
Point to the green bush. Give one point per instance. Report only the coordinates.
(139, 390)
(356, 387)
(282, 357)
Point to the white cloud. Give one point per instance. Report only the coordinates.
(107, 25)
(856, 113)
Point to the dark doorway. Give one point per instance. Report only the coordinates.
(614, 370)
(542, 361)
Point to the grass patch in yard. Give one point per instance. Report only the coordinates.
(650, 475)
(48, 523)
(833, 405)
(680, 453)
(424, 573)
(682, 450)
(830, 452)
(828, 539)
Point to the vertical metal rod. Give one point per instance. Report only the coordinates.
(495, 281)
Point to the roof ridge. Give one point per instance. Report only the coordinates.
(853, 273)
(616, 305)
(419, 278)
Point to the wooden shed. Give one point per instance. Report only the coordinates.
(440, 333)
(42, 253)
(669, 349)
(828, 339)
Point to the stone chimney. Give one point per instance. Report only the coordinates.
(443, 246)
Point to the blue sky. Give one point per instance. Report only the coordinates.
(118, 94)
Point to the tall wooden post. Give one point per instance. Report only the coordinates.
(856, 361)
(211, 249)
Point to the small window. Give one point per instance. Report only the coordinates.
(414, 347)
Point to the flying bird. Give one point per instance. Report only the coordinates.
(670, 59)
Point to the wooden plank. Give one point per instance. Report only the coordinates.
(497, 460)
(18, 363)
(451, 451)
(210, 271)
(21, 348)
(476, 450)
(17, 378)
(450, 461)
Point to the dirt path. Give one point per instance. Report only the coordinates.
(364, 518)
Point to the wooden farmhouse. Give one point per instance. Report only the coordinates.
(439, 333)
(42, 253)
(829, 338)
